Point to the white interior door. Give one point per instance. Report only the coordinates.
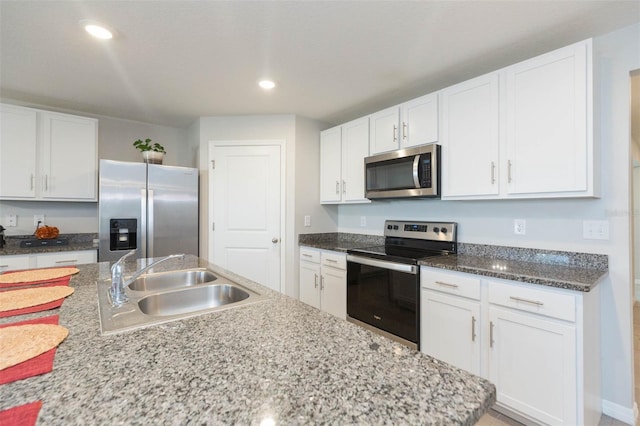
(246, 195)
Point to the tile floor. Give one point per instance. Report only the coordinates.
(493, 418)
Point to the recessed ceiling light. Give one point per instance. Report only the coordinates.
(97, 30)
(266, 84)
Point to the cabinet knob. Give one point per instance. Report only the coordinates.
(275, 240)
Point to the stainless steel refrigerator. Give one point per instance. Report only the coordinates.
(147, 207)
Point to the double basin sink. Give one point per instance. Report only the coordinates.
(157, 298)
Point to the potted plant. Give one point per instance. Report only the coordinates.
(151, 153)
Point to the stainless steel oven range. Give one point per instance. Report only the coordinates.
(383, 282)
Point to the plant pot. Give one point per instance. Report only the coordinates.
(152, 157)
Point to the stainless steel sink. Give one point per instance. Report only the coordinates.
(192, 299)
(163, 297)
(172, 279)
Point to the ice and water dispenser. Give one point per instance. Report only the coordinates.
(123, 234)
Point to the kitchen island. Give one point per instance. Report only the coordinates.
(277, 361)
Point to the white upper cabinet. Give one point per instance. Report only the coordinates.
(471, 137)
(342, 153)
(69, 160)
(18, 135)
(47, 156)
(419, 121)
(549, 136)
(383, 127)
(409, 124)
(522, 132)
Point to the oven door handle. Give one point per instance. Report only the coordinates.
(399, 267)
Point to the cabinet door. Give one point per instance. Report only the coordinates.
(471, 138)
(310, 284)
(548, 106)
(532, 362)
(69, 157)
(334, 292)
(384, 131)
(66, 258)
(355, 147)
(13, 262)
(18, 135)
(450, 330)
(419, 121)
(330, 165)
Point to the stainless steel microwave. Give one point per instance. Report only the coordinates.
(411, 172)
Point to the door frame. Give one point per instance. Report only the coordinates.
(281, 143)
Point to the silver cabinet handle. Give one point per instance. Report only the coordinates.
(67, 261)
(473, 328)
(274, 240)
(404, 131)
(321, 282)
(533, 302)
(4, 266)
(493, 173)
(509, 171)
(491, 334)
(344, 187)
(331, 260)
(46, 182)
(447, 284)
(337, 187)
(306, 255)
(395, 130)
(316, 280)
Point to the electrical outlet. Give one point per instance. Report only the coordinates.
(12, 220)
(38, 218)
(595, 229)
(363, 221)
(307, 220)
(520, 226)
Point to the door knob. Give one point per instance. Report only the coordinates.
(274, 240)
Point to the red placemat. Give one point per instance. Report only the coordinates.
(22, 415)
(54, 281)
(32, 309)
(41, 364)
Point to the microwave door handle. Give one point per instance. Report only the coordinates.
(416, 177)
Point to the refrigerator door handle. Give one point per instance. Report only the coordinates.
(150, 224)
(143, 223)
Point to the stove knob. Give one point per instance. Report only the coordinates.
(436, 229)
(444, 230)
(389, 227)
(395, 227)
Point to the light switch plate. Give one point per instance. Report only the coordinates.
(307, 220)
(595, 229)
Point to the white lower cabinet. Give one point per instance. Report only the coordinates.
(538, 345)
(450, 319)
(47, 260)
(323, 280)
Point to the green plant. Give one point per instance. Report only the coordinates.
(147, 146)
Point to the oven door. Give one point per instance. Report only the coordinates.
(384, 295)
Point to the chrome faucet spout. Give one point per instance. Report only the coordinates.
(118, 283)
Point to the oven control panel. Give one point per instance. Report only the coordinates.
(437, 231)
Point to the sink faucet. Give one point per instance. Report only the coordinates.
(118, 283)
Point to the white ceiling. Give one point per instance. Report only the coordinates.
(174, 61)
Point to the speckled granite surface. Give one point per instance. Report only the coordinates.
(76, 242)
(568, 270)
(339, 241)
(278, 359)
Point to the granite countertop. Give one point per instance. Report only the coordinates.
(77, 242)
(277, 358)
(567, 270)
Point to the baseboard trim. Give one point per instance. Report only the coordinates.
(618, 412)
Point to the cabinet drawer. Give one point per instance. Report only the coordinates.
(334, 260)
(536, 300)
(10, 263)
(66, 258)
(309, 255)
(451, 283)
